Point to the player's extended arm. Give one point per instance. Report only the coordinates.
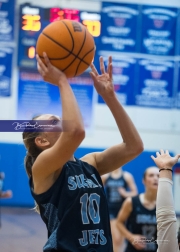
(73, 133)
(165, 212)
(132, 145)
(123, 215)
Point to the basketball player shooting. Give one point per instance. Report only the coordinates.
(68, 191)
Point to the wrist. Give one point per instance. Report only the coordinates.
(130, 238)
(165, 173)
(62, 81)
(165, 168)
(107, 97)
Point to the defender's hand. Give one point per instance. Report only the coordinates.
(164, 160)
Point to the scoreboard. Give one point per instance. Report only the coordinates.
(34, 19)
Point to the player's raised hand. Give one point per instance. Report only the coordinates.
(49, 72)
(164, 160)
(104, 82)
(122, 192)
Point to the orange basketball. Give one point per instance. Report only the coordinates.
(69, 46)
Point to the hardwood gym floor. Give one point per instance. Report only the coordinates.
(22, 230)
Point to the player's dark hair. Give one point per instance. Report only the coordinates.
(32, 152)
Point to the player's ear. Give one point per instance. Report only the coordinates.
(41, 142)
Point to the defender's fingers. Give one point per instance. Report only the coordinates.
(157, 153)
(178, 156)
(161, 151)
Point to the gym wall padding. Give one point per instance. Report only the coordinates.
(12, 164)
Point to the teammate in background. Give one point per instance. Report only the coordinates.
(118, 185)
(4, 194)
(167, 238)
(69, 191)
(140, 214)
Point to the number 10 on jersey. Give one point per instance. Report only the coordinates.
(90, 212)
(90, 208)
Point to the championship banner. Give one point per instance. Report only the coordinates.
(119, 27)
(37, 97)
(7, 10)
(124, 71)
(155, 85)
(158, 30)
(5, 70)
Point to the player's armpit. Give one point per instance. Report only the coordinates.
(111, 158)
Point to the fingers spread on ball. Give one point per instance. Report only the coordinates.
(38, 68)
(47, 61)
(40, 63)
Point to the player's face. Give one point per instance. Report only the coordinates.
(52, 137)
(151, 178)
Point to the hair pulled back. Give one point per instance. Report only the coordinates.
(32, 150)
(32, 153)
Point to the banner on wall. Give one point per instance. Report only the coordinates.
(155, 85)
(158, 30)
(5, 70)
(124, 72)
(7, 10)
(37, 97)
(119, 27)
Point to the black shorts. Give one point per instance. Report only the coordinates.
(113, 213)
